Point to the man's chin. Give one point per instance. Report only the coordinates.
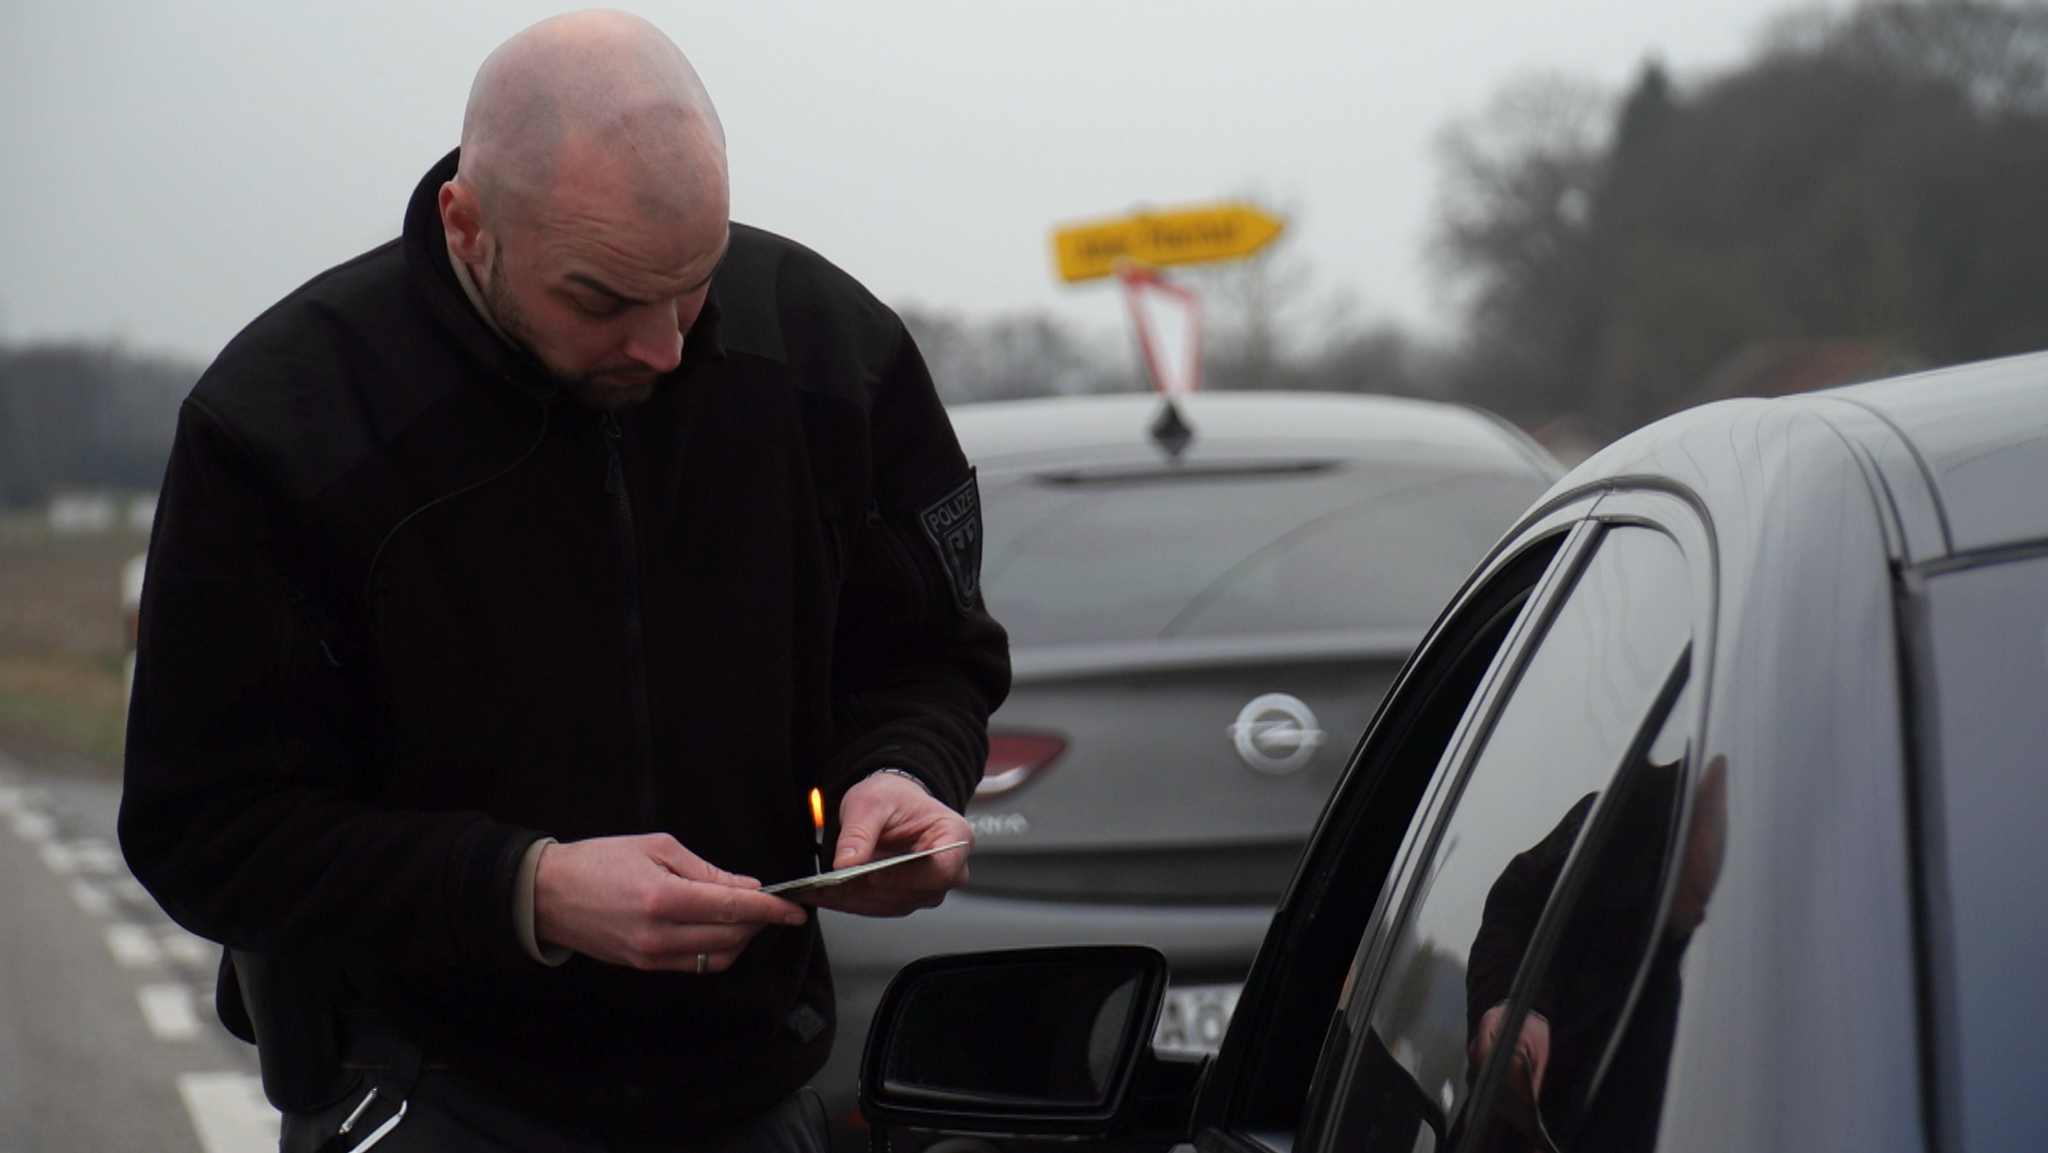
(613, 395)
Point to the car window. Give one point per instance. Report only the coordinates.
(1273, 1049)
(1989, 630)
(1590, 991)
(1263, 548)
(1585, 693)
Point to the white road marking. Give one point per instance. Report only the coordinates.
(33, 826)
(91, 897)
(133, 946)
(91, 856)
(186, 949)
(229, 1112)
(169, 1011)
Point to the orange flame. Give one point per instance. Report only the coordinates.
(818, 809)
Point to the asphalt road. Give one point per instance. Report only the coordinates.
(108, 1042)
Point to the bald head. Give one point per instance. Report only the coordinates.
(590, 207)
(604, 90)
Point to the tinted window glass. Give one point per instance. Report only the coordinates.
(1279, 548)
(1598, 1091)
(1579, 703)
(1990, 633)
(1287, 1029)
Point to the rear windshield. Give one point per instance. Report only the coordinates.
(1990, 638)
(1292, 547)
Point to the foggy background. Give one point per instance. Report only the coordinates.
(1583, 217)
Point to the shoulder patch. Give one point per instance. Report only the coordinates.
(953, 526)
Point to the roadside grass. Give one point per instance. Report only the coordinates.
(63, 642)
(77, 700)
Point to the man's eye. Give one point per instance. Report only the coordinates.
(599, 310)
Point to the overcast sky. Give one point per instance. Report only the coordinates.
(169, 169)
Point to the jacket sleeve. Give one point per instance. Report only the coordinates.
(919, 663)
(252, 751)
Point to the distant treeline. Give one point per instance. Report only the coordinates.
(1865, 194)
(79, 415)
(1868, 191)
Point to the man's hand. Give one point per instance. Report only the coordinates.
(648, 902)
(1523, 1089)
(883, 816)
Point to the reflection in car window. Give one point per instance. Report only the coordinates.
(1287, 1037)
(1595, 1093)
(1562, 733)
(1990, 638)
(1286, 548)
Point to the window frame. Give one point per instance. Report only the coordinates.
(1310, 930)
(1679, 515)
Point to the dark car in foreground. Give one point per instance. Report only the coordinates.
(1196, 636)
(1716, 794)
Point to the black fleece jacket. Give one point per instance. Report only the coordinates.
(409, 609)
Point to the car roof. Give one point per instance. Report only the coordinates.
(1025, 433)
(1979, 436)
(1958, 458)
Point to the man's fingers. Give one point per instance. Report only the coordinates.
(856, 845)
(689, 866)
(663, 943)
(720, 948)
(713, 895)
(698, 903)
(901, 890)
(874, 897)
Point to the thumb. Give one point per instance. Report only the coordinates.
(858, 832)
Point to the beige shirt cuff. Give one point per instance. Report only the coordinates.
(522, 908)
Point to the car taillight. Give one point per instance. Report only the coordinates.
(1014, 758)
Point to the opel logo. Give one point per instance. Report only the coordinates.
(1276, 734)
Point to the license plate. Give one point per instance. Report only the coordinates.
(1194, 1017)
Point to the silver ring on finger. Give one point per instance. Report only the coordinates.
(703, 964)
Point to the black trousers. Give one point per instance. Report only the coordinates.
(446, 1113)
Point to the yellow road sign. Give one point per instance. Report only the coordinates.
(1226, 231)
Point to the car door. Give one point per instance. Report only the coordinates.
(1531, 770)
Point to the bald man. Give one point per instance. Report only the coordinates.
(514, 584)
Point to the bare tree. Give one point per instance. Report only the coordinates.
(1867, 188)
(1008, 357)
(1515, 218)
(1996, 55)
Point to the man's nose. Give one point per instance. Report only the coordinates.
(656, 338)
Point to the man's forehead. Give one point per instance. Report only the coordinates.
(633, 263)
(663, 173)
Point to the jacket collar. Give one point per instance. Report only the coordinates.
(433, 273)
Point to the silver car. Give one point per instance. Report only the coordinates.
(1198, 639)
(1707, 817)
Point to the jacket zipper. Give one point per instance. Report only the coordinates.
(636, 648)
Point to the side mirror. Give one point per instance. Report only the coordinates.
(1023, 1042)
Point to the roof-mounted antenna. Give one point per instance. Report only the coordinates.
(1170, 432)
(1167, 318)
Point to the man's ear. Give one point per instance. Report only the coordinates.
(463, 221)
